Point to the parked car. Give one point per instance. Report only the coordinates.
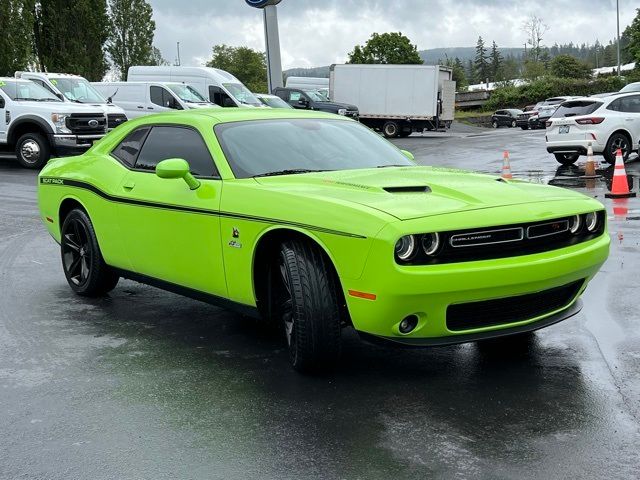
(145, 98)
(631, 87)
(522, 120)
(287, 215)
(213, 84)
(539, 120)
(608, 124)
(505, 118)
(312, 100)
(76, 89)
(36, 124)
(272, 101)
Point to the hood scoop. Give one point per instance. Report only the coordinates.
(408, 189)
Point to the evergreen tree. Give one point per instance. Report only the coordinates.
(480, 64)
(131, 31)
(632, 37)
(16, 23)
(496, 63)
(69, 36)
(471, 76)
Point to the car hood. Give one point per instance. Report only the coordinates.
(60, 107)
(414, 192)
(335, 105)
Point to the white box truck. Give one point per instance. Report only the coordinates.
(396, 100)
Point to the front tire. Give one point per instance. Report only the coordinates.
(33, 150)
(390, 129)
(494, 124)
(87, 273)
(566, 158)
(513, 124)
(308, 301)
(617, 141)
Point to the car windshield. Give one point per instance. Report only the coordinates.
(275, 102)
(78, 90)
(23, 90)
(576, 107)
(242, 94)
(264, 147)
(186, 93)
(632, 87)
(315, 95)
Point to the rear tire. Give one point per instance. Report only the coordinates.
(308, 301)
(494, 124)
(33, 150)
(390, 129)
(513, 124)
(404, 134)
(566, 158)
(87, 273)
(617, 140)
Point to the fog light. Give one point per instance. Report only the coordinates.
(591, 220)
(408, 323)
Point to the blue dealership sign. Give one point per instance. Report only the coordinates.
(262, 3)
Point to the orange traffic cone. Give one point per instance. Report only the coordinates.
(619, 186)
(590, 167)
(506, 166)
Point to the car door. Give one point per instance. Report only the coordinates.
(295, 99)
(173, 233)
(630, 109)
(161, 100)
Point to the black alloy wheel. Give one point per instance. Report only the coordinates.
(617, 141)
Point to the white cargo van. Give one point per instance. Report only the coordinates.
(145, 98)
(76, 89)
(216, 85)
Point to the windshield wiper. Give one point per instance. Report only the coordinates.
(389, 166)
(292, 171)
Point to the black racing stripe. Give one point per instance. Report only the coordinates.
(180, 208)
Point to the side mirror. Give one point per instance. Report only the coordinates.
(408, 154)
(177, 168)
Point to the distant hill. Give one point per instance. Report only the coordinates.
(432, 56)
(318, 72)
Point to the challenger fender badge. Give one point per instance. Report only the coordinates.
(234, 244)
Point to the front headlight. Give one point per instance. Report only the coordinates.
(591, 221)
(575, 223)
(342, 111)
(405, 248)
(430, 243)
(59, 119)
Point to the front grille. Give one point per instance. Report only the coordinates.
(116, 119)
(86, 123)
(487, 313)
(506, 241)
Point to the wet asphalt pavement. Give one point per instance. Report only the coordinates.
(145, 384)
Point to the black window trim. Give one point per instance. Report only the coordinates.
(149, 127)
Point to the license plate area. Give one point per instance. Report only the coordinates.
(563, 128)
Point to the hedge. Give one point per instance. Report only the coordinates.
(538, 90)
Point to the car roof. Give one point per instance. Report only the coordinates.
(14, 79)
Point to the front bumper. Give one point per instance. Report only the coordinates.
(427, 291)
(74, 142)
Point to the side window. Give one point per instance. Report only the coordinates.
(220, 97)
(616, 105)
(160, 96)
(283, 95)
(630, 104)
(156, 95)
(165, 142)
(42, 84)
(128, 149)
(295, 96)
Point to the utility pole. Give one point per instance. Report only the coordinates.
(618, 32)
(178, 60)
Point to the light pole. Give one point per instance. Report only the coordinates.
(272, 41)
(618, 32)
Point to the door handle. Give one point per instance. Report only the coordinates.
(140, 106)
(149, 108)
(128, 186)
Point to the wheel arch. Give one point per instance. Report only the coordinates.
(27, 124)
(624, 132)
(264, 250)
(66, 205)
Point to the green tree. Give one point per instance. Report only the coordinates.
(632, 35)
(457, 72)
(16, 24)
(69, 36)
(157, 58)
(393, 48)
(496, 61)
(480, 64)
(131, 30)
(566, 66)
(533, 70)
(471, 75)
(248, 65)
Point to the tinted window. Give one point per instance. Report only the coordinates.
(128, 149)
(160, 96)
(220, 97)
(262, 146)
(616, 105)
(571, 109)
(630, 104)
(176, 142)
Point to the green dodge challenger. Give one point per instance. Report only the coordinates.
(313, 222)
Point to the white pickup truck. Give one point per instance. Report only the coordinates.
(76, 89)
(36, 124)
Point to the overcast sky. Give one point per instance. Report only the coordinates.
(322, 32)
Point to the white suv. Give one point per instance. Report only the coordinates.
(608, 124)
(36, 123)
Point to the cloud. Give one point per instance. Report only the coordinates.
(321, 32)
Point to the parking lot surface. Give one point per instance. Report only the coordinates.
(144, 384)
